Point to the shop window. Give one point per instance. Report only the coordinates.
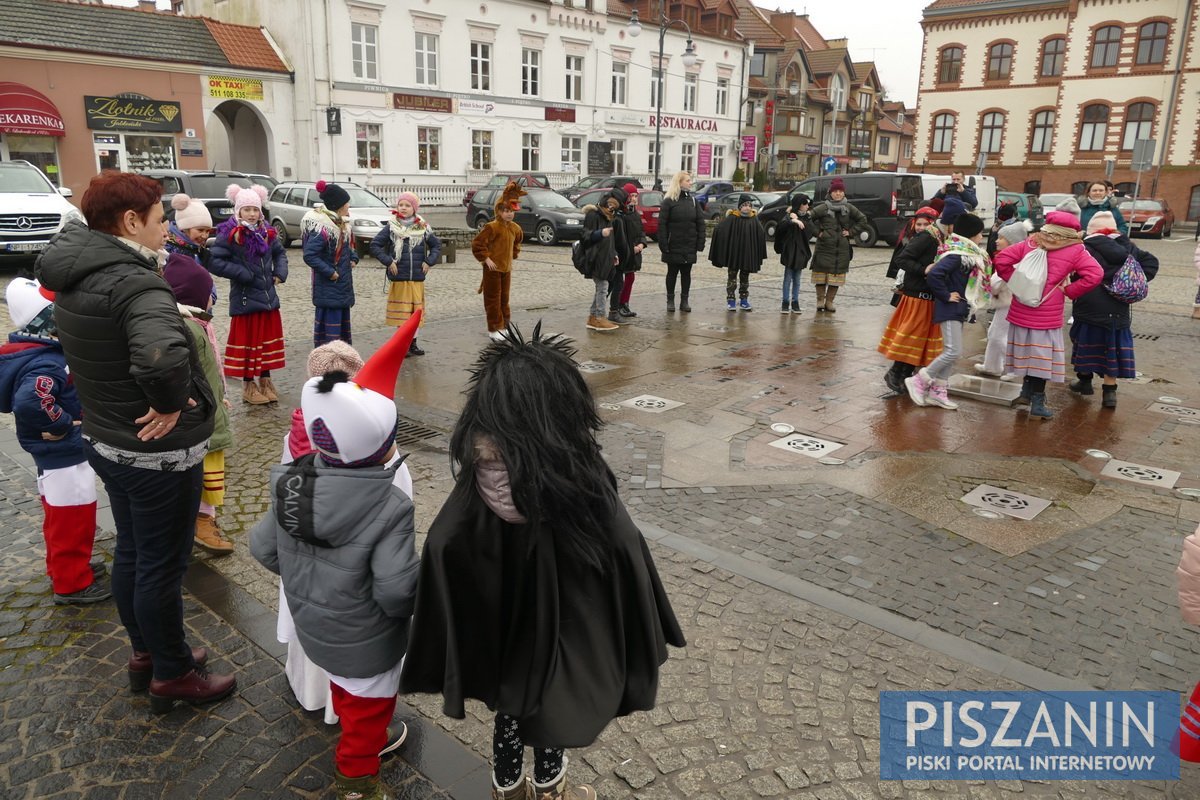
(429, 149)
(149, 152)
(41, 151)
(369, 141)
(481, 149)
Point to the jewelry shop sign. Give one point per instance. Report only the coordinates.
(228, 87)
(132, 114)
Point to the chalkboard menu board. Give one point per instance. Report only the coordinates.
(599, 160)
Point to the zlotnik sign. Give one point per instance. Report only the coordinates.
(132, 114)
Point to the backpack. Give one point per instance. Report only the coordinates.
(1028, 281)
(579, 256)
(1129, 283)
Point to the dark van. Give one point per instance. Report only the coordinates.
(887, 199)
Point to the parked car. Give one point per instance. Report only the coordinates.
(501, 179)
(649, 202)
(1149, 217)
(592, 182)
(292, 200)
(1028, 206)
(207, 186)
(707, 190)
(719, 206)
(32, 211)
(1050, 200)
(544, 214)
(887, 199)
(263, 180)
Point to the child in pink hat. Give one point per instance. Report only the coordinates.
(408, 248)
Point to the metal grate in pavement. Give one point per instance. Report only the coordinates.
(1149, 337)
(414, 434)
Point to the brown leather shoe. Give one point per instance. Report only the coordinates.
(141, 667)
(252, 395)
(267, 387)
(209, 538)
(196, 686)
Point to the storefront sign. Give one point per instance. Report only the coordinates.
(560, 114)
(127, 114)
(477, 107)
(684, 123)
(625, 118)
(29, 112)
(230, 88)
(420, 102)
(749, 148)
(813, 149)
(704, 159)
(191, 147)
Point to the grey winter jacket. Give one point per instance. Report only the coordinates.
(349, 569)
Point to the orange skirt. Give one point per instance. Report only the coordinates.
(911, 336)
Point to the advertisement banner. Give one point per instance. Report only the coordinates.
(132, 114)
(749, 148)
(228, 87)
(704, 159)
(1076, 736)
(420, 102)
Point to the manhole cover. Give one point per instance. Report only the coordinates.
(1003, 501)
(611, 406)
(413, 434)
(648, 402)
(1175, 410)
(1140, 473)
(806, 445)
(1098, 453)
(594, 366)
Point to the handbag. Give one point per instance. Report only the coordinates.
(1028, 281)
(1129, 284)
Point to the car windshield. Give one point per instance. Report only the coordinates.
(213, 186)
(544, 198)
(650, 199)
(24, 180)
(588, 182)
(1142, 205)
(361, 198)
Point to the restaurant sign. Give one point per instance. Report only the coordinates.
(132, 114)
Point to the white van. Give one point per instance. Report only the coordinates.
(985, 192)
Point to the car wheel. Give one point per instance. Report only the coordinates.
(480, 221)
(281, 232)
(770, 228)
(1167, 232)
(868, 237)
(546, 233)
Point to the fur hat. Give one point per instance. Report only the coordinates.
(1102, 222)
(191, 283)
(1071, 206)
(799, 199)
(190, 213)
(1064, 219)
(745, 199)
(411, 198)
(509, 198)
(952, 209)
(837, 184)
(243, 197)
(332, 195)
(928, 212)
(968, 226)
(352, 423)
(28, 301)
(334, 356)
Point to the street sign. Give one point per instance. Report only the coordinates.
(829, 164)
(333, 121)
(1143, 155)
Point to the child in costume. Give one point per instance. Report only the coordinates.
(496, 247)
(349, 570)
(329, 250)
(631, 263)
(192, 286)
(249, 253)
(739, 245)
(408, 248)
(516, 604)
(912, 339)
(36, 389)
(793, 244)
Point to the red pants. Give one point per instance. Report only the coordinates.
(627, 288)
(68, 525)
(495, 298)
(364, 731)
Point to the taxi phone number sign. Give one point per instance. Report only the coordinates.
(228, 88)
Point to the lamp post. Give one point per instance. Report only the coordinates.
(689, 59)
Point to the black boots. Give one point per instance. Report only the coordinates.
(1083, 385)
(1109, 400)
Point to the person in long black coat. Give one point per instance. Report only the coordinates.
(681, 236)
(793, 243)
(631, 242)
(739, 245)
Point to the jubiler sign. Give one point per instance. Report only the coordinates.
(684, 123)
(132, 114)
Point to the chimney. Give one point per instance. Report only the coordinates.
(148, 5)
(835, 44)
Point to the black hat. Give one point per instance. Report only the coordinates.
(800, 199)
(1006, 211)
(968, 226)
(332, 195)
(619, 195)
(744, 199)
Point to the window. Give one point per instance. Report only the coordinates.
(364, 46)
(837, 93)
(758, 65)
(618, 155)
(531, 72)
(907, 150)
(531, 149)
(1152, 43)
(1139, 124)
(1043, 132)
(481, 66)
(722, 96)
(1106, 47)
(657, 84)
(750, 109)
(1000, 62)
(574, 78)
(950, 68)
(991, 132)
(651, 166)
(718, 161)
(429, 149)
(1053, 52)
(687, 157)
(572, 153)
(943, 133)
(885, 145)
(1193, 212)
(690, 83)
(864, 101)
(427, 59)
(1093, 128)
(834, 140)
(619, 80)
(481, 149)
(369, 141)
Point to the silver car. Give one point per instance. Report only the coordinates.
(292, 200)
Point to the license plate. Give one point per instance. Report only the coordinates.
(26, 247)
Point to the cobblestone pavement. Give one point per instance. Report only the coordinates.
(804, 589)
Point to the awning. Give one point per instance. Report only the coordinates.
(25, 111)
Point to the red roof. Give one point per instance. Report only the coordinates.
(966, 5)
(754, 24)
(246, 47)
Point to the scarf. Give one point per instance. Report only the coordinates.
(328, 225)
(178, 243)
(839, 207)
(255, 240)
(1056, 237)
(410, 228)
(975, 262)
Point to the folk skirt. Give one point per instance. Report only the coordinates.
(1038, 354)
(911, 335)
(255, 344)
(1102, 351)
(403, 300)
(331, 324)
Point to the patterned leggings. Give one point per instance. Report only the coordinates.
(508, 752)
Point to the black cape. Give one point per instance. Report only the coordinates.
(738, 243)
(792, 242)
(504, 617)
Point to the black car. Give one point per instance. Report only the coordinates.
(598, 182)
(887, 199)
(207, 186)
(544, 214)
(719, 206)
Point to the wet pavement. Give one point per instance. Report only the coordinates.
(804, 587)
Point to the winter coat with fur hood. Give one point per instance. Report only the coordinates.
(601, 261)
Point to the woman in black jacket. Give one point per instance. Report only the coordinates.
(601, 237)
(1101, 340)
(912, 339)
(680, 236)
(148, 414)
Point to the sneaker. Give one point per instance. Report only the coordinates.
(984, 371)
(795, 306)
(731, 305)
(745, 305)
(396, 735)
(785, 308)
(918, 386)
(1008, 377)
(96, 593)
(616, 318)
(601, 324)
(939, 395)
(99, 571)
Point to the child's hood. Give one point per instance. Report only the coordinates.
(14, 356)
(310, 503)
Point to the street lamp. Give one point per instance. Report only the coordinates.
(689, 60)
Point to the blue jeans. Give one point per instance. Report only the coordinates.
(155, 514)
(791, 284)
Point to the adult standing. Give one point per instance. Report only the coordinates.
(681, 235)
(148, 414)
(838, 223)
(958, 189)
(1096, 200)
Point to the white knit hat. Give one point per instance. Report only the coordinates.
(26, 299)
(190, 213)
(242, 196)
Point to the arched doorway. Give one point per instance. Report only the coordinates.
(237, 136)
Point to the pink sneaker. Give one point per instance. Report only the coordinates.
(918, 386)
(939, 395)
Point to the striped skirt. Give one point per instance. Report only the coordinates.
(403, 300)
(831, 278)
(331, 324)
(1038, 354)
(255, 344)
(1102, 351)
(213, 491)
(911, 336)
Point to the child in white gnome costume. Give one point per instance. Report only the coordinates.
(349, 569)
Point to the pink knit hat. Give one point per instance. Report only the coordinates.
(1064, 219)
(411, 198)
(253, 196)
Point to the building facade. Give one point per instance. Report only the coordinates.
(1048, 94)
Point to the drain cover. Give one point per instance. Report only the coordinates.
(1175, 410)
(830, 461)
(806, 445)
(1140, 473)
(413, 434)
(648, 402)
(1002, 501)
(595, 366)
(1098, 454)
(1189, 492)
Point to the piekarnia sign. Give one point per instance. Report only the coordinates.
(1028, 735)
